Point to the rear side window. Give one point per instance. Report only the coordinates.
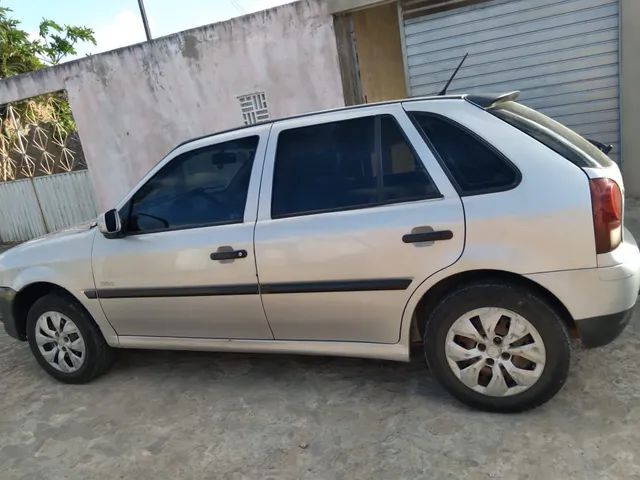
(473, 165)
(575, 148)
(358, 163)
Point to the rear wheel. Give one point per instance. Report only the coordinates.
(497, 347)
(65, 341)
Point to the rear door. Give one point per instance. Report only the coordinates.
(354, 214)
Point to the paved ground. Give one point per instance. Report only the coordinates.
(199, 415)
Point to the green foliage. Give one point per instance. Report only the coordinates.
(56, 42)
(18, 54)
(21, 54)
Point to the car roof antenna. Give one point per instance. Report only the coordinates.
(444, 90)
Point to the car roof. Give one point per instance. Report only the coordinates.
(482, 100)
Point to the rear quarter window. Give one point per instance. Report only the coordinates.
(474, 166)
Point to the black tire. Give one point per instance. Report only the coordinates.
(521, 300)
(98, 355)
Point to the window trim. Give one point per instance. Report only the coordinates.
(413, 114)
(128, 206)
(377, 118)
(128, 233)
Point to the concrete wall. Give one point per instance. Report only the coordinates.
(348, 58)
(379, 53)
(629, 94)
(134, 104)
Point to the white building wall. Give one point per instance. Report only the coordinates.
(132, 105)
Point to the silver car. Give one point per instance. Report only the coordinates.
(471, 223)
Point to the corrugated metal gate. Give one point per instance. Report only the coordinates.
(30, 208)
(562, 56)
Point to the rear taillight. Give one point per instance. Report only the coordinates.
(606, 201)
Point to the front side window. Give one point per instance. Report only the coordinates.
(206, 186)
(473, 166)
(345, 165)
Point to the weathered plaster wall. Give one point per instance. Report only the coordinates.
(134, 104)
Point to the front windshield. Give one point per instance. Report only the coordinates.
(554, 135)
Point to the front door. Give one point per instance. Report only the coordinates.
(185, 266)
(354, 214)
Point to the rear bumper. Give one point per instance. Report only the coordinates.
(598, 331)
(7, 295)
(600, 300)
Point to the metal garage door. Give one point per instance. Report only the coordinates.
(562, 56)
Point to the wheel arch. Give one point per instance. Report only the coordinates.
(434, 294)
(27, 296)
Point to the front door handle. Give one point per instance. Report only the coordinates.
(226, 253)
(427, 236)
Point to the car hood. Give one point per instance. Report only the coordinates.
(72, 230)
(50, 238)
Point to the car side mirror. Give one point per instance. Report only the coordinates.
(109, 224)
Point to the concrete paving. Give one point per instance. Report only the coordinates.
(163, 415)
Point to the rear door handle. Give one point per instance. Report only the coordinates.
(223, 254)
(427, 236)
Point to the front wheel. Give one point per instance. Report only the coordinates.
(65, 340)
(497, 347)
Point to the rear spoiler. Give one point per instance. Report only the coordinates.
(488, 100)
